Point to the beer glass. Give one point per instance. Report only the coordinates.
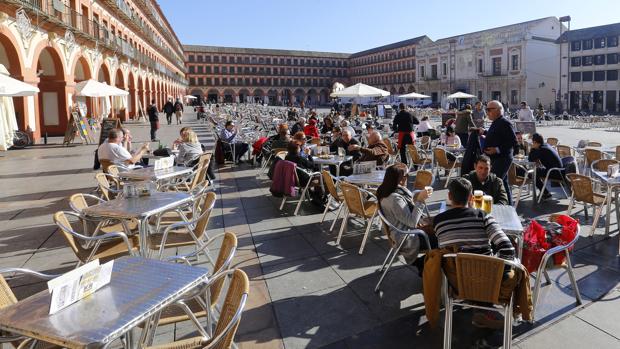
(478, 195)
(487, 203)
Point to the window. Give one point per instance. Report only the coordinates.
(224, 70)
(434, 71)
(192, 81)
(208, 59)
(208, 70)
(575, 61)
(599, 59)
(444, 68)
(612, 58)
(514, 63)
(480, 65)
(587, 44)
(191, 58)
(208, 81)
(612, 75)
(200, 69)
(232, 70)
(612, 41)
(599, 43)
(586, 60)
(191, 69)
(599, 75)
(575, 77)
(200, 81)
(216, 81)
(224, 81)
(216, 70)
(514, 96)
(422, 72)
(199, 58)
(497, 65)
(216, 59)
(586, 76)
(575, 46)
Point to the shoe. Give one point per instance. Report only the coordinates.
(488, 319)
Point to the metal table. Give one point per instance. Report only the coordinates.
(139, 208)
(374, 178)
(150, 174)
(332, 160)
(139, 289)
(613, 184)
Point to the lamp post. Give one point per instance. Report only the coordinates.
(560, 97)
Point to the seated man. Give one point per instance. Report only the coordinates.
(376, 150)
(482, 179)
(113, 150)
(228, 135)
(279, 140)
(298, 126)
(548, 158)
(344, 141)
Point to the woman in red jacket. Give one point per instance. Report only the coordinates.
(311, 130)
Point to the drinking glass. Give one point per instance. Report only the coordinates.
(478, 195)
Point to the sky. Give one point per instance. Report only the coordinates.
(350, 26)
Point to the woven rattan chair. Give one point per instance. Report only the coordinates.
(302, 196)
(591, 155)
(441, 160)
(79, 202)
(228, 321)
(518, 181)
(542, 268)
(618, 152)
(7, 298)
(564, 150)
(108, 186)
(552, 141)
(393, 153)
(113, 170)
(559, 178)
(334, 197)
(594, 144)
(416, 158)
(425, 143)
(185, 233)
(197, 179)
(423, 178)
(104, 247)
(583, 191)
(479, 280)
(105, 164)
(395, 245)
(602, 164)
(357, 206)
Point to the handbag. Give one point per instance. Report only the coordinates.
(162, 152)
(157, 125)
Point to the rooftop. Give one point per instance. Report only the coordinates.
(262, 51)
(590, 33)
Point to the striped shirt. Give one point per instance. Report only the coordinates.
(472, 230)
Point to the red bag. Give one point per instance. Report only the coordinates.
(534, 246)
(569, 230)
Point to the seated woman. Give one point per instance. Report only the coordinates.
(294, 155)
(423, 128)
(189, 148)
(311, 130)
(450, 139)
(328, 125)
(300, 139)
(402, 209)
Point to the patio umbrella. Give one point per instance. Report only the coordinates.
(190, 97)
(92, 88)
(413, 95)
(10, 87)
(360, 90)
(460, 95)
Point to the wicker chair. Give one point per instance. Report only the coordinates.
(583, 191)
(425, 143)
(594, 144)
(113, 170)
(416, 158)
(265, 164)
(423, 178)
(334, 197)
(198, 177)
(478, 279)
(393, 153)
(618, 152)
(561, 172)
(602, 164)
(552, 141)
(79, 202)
(185, 233)
(358, 207)
(542, 268)
(441, 160)
(518, 181)
(87, 248)
(304, 191)
(395, 246)
(564, 150)
(230, 316)
(7, 298)
(105, 164)
(109, 187)
(591, 155)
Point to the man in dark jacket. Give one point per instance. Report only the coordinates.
(548, 158)
(153, 119)
(168, 110)
(403, 124)
(499, 143)
(482, 179)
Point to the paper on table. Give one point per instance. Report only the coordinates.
(163, 163)
(77, 284)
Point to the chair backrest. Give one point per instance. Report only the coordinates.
(201, 170)
(618, 152)
(224, 257)
(7, 297)
(602, 164)
(281, 154)
(330, 184)
(553, 141)
(440, 157)
(582, 187)
(512, 175)
(228, 322)
(423, 178)
(353, 199)
(113, 170)
(205, 213)
(479, 277)
(78, 202)
(413, 154)
(105, 164)
(564, 150)
(388, 144)
(103, 180)
(425, 142)
(591, 155)
(388, 226)
(61, 220)
(594, 144)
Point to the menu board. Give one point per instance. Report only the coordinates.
(106, 126)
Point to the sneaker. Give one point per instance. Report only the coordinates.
(488, 319)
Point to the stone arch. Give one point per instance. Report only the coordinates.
(274, 96)
(132, 98)
(103, 74)
(324, 96)
(212, 95)
(13, 62)
(410, 89)
(229, 95)
(312, 98)
(259, 96)
(300, 96)
(287, 97)
(401, 90)
(119, 82)
(51, 107)
(141, 94)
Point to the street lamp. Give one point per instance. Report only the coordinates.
(559, 98)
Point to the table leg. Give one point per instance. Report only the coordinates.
(143, 230)
(608, 209)
(534, 186)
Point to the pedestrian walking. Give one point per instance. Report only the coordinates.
(153, 119)
(403, 124)
(178, 111)
(168, 110)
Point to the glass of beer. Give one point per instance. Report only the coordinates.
(429, 190)
(487, 203)
(478, 195)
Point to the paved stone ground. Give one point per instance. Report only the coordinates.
(307, 292)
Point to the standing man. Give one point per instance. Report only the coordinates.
(178, 111)
(478, 115)
(153, 119)
(499, 143)
(168, 110)
(403, 124)
(525, 113)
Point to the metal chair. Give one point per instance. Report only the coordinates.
(479, 280)
(302, 197)
(594, 144)
(423, 179)
(552, 141)
(518, 181)
(561, 171)
(79, 202)
(542, 268)
(591, 155)
(582, 190)
(109, 186)
(564, 150)
(441, 160)
(416, 158)
(618, 152)
(334, 196)
(393, 153)
(395, 245)
(358, 207)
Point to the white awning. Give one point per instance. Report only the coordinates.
(92, 88)
(360, 90)
(460, 95)
(413, 95)
(10, 87)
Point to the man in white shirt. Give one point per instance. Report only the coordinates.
(114, 151)
(525, 113)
